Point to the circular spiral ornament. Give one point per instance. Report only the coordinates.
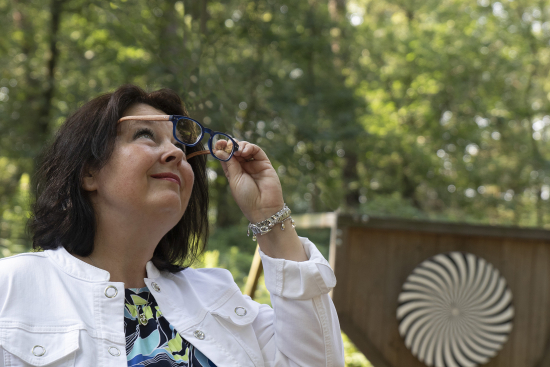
(455, 310)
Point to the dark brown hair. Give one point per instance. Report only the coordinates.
(64, 216)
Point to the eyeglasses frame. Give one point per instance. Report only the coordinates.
(174, 119)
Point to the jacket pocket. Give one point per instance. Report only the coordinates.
(236, 316)
(238, 309)
(39, 347)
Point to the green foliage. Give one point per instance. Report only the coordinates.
(235, 250)
(354, 358)
(13, 239)
(456, 109)
(439, 106)
(433, 109)
(319, 236)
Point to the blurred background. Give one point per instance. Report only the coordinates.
(405, 108)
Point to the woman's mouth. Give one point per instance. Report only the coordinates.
(168, 176)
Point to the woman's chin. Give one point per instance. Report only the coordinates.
(168, 204)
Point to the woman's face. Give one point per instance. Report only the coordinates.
(147, 174)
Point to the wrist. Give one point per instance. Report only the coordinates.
(278, 219)
(264, 213)
(285, 245)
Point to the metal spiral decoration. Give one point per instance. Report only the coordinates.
(455, 310)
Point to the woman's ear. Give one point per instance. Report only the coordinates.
(89, 181)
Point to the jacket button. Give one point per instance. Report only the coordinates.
(114, 351)
(155, 286)
(111, 291)
(38, 350)
(240, 311)
(199, 334)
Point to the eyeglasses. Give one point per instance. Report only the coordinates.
(189, 132)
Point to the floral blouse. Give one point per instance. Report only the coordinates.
(151, 340)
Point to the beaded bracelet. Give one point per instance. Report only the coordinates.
(267, 225)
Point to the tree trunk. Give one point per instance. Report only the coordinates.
(337, 9)
(47, 95)
(204, 16)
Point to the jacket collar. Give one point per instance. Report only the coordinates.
(81, 270)
(152, 271)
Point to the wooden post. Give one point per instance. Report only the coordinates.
(253, 275)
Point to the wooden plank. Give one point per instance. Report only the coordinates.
(358, 293)
(542, 299)
(254, 275)
(414, 253)
(545, 360)
(341, 268)
(378, 262)
(519, 283)
(335, 241)
(442, 227)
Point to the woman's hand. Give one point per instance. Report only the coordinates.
(254, 182)
(257, 190)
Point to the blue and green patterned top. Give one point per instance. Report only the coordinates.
(151, 340)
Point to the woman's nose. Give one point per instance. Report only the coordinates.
(172, 153)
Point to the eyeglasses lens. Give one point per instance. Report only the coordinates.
(188, 131)
(222, 147)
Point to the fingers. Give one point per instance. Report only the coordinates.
(249, 152)
(246, 153)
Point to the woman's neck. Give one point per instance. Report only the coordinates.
(127, 269)
(125, 240)
(124, 253)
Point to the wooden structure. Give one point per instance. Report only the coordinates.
(372, 258)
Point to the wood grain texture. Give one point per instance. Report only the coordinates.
(376, 256)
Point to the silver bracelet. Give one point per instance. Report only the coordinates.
(267, 225)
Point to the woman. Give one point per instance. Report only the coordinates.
(122, 202)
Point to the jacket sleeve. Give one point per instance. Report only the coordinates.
(302, 329)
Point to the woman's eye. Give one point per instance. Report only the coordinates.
(146, 133)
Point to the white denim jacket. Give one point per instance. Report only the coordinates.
(56, 310)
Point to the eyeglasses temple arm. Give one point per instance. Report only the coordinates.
(200, 152)
(146, 118)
